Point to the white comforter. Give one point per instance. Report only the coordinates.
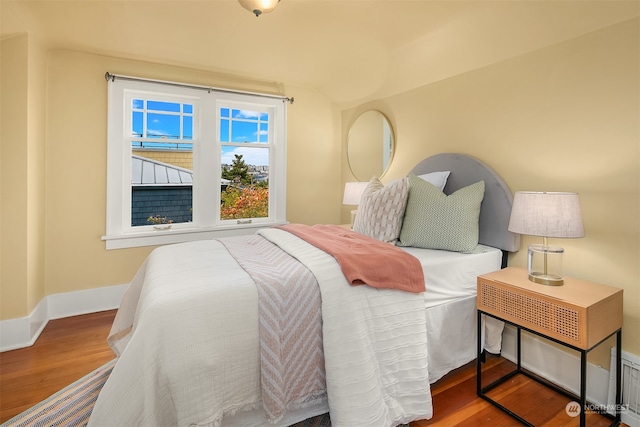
(187, 339)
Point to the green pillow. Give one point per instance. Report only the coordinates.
(434, 220)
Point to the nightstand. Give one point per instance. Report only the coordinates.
(579, 315)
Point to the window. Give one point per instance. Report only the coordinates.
(185, 163)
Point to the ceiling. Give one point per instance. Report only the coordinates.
(351, 51)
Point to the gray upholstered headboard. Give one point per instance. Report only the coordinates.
(496, 205)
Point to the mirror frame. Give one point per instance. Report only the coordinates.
(357, 145)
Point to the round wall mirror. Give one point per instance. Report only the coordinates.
(370, 145)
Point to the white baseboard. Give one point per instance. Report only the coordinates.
(23, 331)
(560, 367)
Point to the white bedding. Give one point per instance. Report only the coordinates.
(207, 270)
(450, 300)
(176, 368)
(451, 276)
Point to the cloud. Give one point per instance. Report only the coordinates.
(247, 114)
(153, 132)
(251, 155)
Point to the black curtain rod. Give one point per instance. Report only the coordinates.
(108, 76)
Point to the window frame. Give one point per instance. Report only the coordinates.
(207, 151)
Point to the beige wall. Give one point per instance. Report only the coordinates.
(72, 256)
(564, 118)
(14, 197)
(36, 173)
(22, 176)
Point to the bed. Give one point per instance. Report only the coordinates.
(190, 332)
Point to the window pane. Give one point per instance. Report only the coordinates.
(161, 170)
(245, 183)
(163, 126)
(224, 130)
(245, 114)
(240, 126)
(163, 106)
(264, 132)
(159, 119)
(244, 131)
(137, 124)
(187, 127)
(161, 187)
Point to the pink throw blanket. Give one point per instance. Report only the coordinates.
(364, 260)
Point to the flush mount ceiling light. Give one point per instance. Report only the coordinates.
(258, 7)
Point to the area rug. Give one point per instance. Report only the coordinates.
(72, 406)
(69, 407)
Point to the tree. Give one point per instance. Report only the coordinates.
(243, 198)
(239, 171)
(249, 202)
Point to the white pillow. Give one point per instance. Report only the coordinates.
(438, 179)
(381, 209)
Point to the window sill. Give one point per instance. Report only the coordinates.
(136, 240)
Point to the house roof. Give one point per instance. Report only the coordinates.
(149, 172)
(145, 171)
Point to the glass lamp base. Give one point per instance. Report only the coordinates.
(545, 265)
(546, 279)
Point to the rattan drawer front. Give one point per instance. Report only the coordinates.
(532, 312)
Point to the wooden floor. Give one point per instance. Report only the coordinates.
(70, 348)
(455, 402)
(67, 350)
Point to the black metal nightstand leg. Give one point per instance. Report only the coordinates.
(519, 347)
(583, 388)
(618, 417)
(479, 352)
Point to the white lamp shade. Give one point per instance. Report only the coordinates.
(546, 214)
(258, 7)
(353, 192)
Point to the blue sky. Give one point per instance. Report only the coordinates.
(236, 126)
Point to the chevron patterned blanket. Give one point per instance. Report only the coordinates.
(291, 357)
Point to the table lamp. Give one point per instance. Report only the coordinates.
(352, 194)
(546, 214)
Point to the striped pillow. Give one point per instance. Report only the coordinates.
(381, 209)
(434, 220)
